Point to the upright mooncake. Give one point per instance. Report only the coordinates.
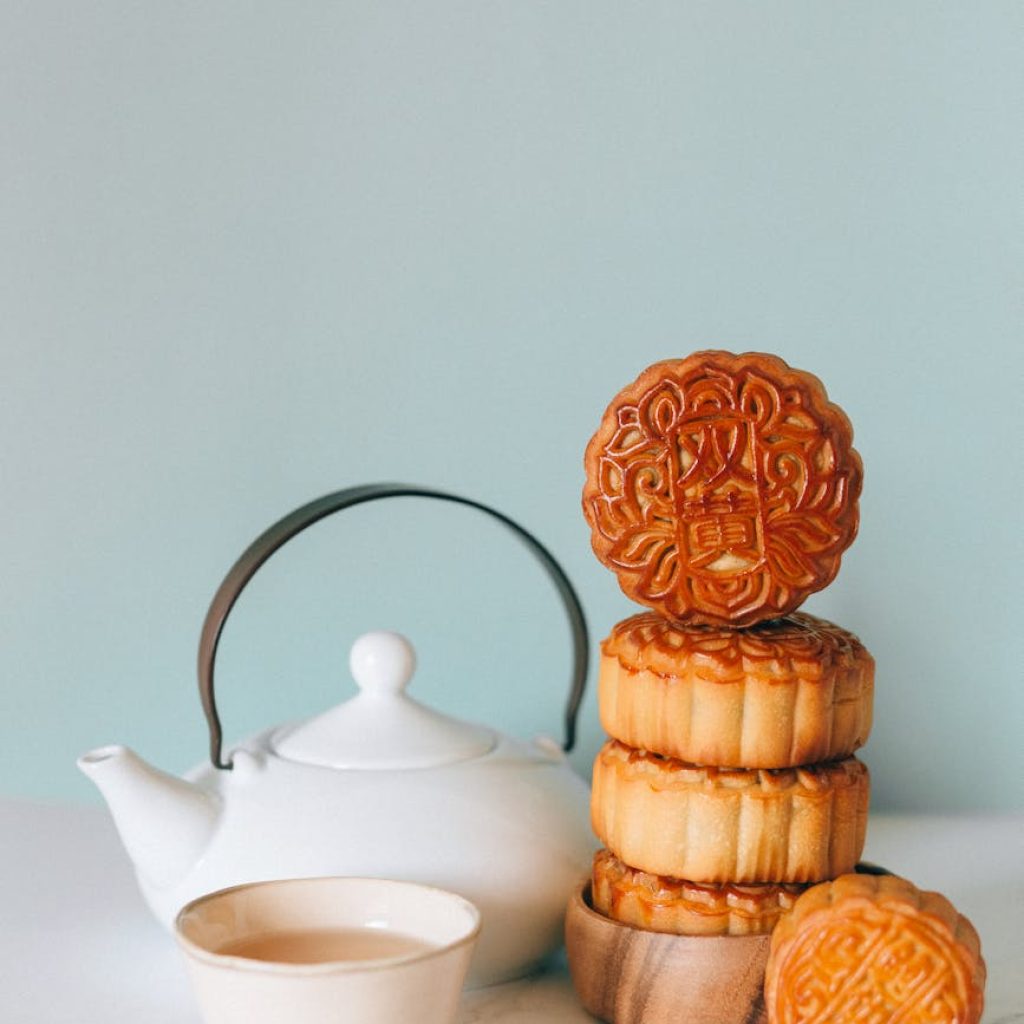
(875, 950)
(722, 488)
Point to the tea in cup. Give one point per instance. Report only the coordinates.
(327, 951)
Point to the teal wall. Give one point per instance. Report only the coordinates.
(252, 253)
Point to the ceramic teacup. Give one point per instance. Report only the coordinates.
(328, 950)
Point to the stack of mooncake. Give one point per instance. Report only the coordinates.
(722, 490)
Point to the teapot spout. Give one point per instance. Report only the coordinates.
(164, 822)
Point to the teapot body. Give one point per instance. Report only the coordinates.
(378, 786)
(510, 831)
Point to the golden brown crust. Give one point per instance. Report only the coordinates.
(874, 949)
(792, 691)
(718, 825)
(722, 488)
(662, 904)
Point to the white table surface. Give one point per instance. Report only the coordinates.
(78, 945)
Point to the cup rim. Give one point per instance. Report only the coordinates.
(241, 963)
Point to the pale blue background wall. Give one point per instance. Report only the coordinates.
(251, 253)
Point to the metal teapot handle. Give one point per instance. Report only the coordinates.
(295, 522)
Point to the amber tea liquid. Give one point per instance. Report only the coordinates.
(324, 945)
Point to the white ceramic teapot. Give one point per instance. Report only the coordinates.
(378, 786)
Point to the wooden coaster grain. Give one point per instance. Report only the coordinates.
(626, 975)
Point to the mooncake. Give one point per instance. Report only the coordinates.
(718, 825)
(659, 903)
(721, 488)
(787, 692)
(874, 950)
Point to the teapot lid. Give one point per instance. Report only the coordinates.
(381, 726)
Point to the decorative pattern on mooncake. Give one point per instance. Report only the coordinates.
(661, 904)
(783, 693)
(717, 825)
(874, 950)
(721, 488)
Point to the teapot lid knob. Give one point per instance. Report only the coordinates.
(382, 663)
